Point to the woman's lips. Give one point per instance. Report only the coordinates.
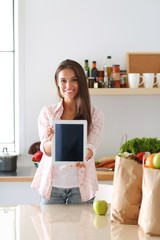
(69, 91)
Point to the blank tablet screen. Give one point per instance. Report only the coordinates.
(69, 142)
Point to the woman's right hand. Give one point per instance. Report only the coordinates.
(48, 144)
(50, 132)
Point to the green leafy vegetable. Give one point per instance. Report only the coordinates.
(121, 155)
(137, 145)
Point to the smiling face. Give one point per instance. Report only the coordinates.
(72, 87)
(68, 84)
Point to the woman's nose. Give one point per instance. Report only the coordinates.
(68, 84)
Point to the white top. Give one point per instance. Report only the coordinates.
(65, 176)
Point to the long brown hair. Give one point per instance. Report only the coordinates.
(83, 105)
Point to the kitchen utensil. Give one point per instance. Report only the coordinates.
(8, 162)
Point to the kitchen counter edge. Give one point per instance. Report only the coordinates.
(101, 176)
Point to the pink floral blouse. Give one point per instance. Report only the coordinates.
(43, 178)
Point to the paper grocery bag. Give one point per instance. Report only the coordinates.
(127, 191)
(149, 217)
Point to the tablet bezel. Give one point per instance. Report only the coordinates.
(78, 122)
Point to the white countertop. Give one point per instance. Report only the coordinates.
(63, 222)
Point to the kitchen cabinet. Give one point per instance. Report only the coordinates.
(16, 187)
(124, 91)
(13, 193)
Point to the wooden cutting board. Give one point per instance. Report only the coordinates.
(105, 176)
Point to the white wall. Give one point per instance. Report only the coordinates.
(51, 31)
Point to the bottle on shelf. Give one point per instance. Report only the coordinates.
(107, 69)
(86, 68)
(94, 71)
(111, 83)
(105, 80)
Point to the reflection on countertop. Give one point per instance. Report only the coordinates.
(67, 222)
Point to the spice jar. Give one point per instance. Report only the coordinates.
(91, 81)
(101, 74)
(100, 79)
(96, 84)
(116, 75)
(123, 78)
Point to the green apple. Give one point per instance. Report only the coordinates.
(156, 160)
(100, 207)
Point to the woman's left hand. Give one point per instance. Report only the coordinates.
(89, 155)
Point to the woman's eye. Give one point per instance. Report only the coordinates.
(75, 80)
(63, 81)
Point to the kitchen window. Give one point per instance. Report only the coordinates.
(7, 76)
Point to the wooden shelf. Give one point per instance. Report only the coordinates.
(124, 91)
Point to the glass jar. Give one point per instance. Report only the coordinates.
(91, 81)
(123, 78)
(100, 79)
(116, 75)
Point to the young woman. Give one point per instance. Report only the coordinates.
(66, 184)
